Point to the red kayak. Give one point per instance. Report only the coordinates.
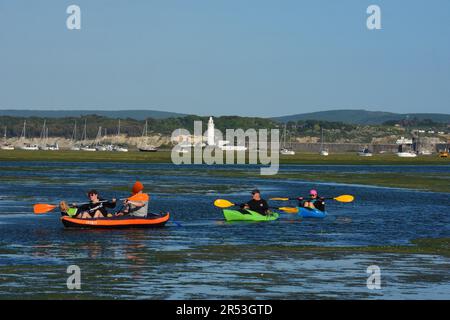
(151, 221)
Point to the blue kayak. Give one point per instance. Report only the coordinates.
(311, 213)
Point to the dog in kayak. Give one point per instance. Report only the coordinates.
(95, 208)
(135, 208)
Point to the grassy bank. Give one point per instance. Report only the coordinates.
(165, 157)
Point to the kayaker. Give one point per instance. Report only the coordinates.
(257, 203)
(135, 208)
(96, 208)
(314, 201)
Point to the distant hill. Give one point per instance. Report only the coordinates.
(123, 114)
(362, 116)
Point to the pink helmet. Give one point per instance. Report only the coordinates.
(313, 192)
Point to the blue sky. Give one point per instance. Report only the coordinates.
(248, 57)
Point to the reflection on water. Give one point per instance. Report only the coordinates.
(185, 260)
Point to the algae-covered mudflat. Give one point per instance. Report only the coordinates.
(165, 157)
(403, 231)
(430, 181)
(439, 182)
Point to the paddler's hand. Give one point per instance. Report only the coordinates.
(114, 200)
(73, 205)
(300, 198)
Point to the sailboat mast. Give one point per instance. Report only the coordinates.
(321, 140)
(74, 134)
(23, 134)
(84, 138)
(42, 135)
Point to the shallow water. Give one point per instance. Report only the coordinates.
(175, 262)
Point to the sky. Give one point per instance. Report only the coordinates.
(226, 57)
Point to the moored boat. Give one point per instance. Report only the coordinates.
(365, 153)
(7, 147)
(409, 154)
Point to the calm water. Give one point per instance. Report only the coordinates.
(191, 257)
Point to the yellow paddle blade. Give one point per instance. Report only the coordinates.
(345, 198)
(139, 197)
(289, 209)
(279, 199)
(43, 208)
(222, 203)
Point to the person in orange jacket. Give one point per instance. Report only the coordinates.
(135, 208)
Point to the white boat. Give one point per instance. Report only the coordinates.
(75, 148)
(323, 152)
(287, 152)
(408, 154)
(30, 147)
(120, 149)
(425, 152)
(7, 147)
(43, 138)
(27, 146)
(53, 147)
(148, 149)
(98, 146)
(144, 146)
(365, 153)
(87, 148)
(101, 148)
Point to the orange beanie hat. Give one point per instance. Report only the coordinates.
(138, 186)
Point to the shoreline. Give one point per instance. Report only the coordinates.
(164, 157)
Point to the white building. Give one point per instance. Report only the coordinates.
(403, 140)
(211, 129)
(222, 144)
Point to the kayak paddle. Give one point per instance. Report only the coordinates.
(222, 203)
(41, 208)
(342, 198)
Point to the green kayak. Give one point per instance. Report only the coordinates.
(247, 215)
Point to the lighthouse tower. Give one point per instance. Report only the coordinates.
(211, 132)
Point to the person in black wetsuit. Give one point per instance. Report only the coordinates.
(96, 208)
(314, 201)
(257, 204)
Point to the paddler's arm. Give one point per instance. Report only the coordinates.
(265, 206)
(81, 207)
(110, 204)
(139, 204)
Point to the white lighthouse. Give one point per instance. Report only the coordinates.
(211, 141)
